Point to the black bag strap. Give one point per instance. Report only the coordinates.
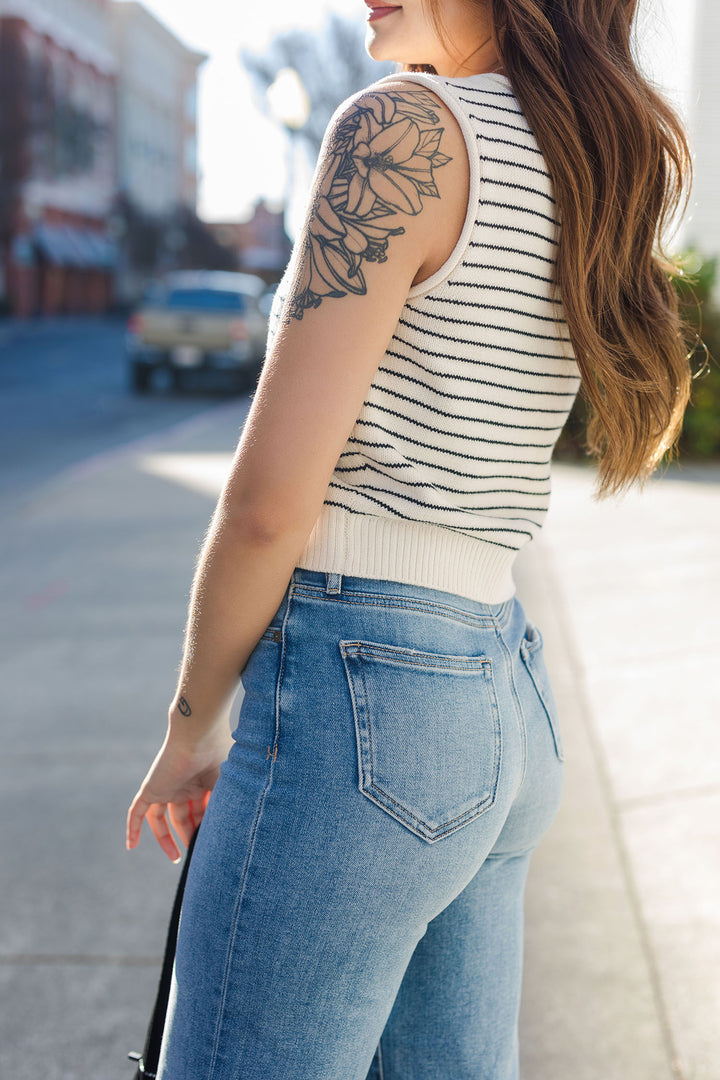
(149, 1059)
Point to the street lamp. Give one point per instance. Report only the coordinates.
(289, 106)
(288, 99)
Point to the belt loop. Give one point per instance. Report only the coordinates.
(333, 583)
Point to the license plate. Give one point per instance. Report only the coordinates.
(186, 355)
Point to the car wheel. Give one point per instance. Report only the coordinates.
(140, 377)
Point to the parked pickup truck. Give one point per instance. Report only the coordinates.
(198, 319)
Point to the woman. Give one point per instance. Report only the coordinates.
(354, 905)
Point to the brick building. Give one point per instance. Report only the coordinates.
(156, 139)
(157, 111)
(96, 98)
(57, 105)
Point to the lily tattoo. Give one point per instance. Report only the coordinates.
(381, 163)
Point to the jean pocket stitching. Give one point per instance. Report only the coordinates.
(368, 785)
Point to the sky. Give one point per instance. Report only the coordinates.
(243, 155)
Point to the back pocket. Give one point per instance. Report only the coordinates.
(428, 734)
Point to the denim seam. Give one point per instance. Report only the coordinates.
(381, 1068)
(471, 811)
(368, 725)
(356, 721)
(235, 919)
(498, 855)
(400, 655)
(251, 848)
(520, 713)
(554, 725)
(412, 604)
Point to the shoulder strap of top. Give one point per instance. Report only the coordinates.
(449, 97)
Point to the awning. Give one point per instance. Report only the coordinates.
(68, 245)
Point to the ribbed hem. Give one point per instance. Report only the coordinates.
(360, 545)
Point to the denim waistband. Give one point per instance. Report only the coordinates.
(338, 585)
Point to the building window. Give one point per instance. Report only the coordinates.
(191, 104)
(190, 156)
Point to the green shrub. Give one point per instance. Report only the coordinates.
(700, 437)
(701, 429)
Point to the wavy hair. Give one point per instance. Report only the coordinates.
(621, 166)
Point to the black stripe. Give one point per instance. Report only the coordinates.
(516, 187)
(453, 416)
(405, 517)
(365, 465)
(456, 434)
(472, 509)
(495, 108)
(509, 270)
(486, 345)
(516, 165)
(490, 326)
(484, 382)
(494, 307)
(363, 489)
(487, 363)
(435, 524)
(511, 251)
(460, 472)
(507, 289)
(479, 90)
(469, 397)
(439, 450)
(375, 445)
(445, 487)
(499, 123)
(378, 501)
(494, 528)
(522, 209)
(511, 142)
(518, 229)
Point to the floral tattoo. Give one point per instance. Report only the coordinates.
(380, 163)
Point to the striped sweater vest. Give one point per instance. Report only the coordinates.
(446, 473)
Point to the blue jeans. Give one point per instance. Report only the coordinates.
(354, 908)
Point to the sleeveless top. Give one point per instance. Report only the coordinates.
(446, 473)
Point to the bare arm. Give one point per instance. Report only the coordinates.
(392, 178)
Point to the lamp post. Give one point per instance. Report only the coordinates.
(289, 105)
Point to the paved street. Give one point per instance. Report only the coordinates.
(64, 396)
(623, 900)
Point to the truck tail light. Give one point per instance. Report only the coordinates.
(238, 330)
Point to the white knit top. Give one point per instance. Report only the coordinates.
(446, 473)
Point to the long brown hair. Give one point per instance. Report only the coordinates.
(620, 163)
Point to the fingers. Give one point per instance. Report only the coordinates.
(135, 815)
(182, 819)
(140, 809)
(157, 820)
(199, 806)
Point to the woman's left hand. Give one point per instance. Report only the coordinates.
(177, 787)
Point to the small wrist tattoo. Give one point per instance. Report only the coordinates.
(184, 707)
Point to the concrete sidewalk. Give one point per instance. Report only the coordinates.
(623, 955)
(623, 900)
